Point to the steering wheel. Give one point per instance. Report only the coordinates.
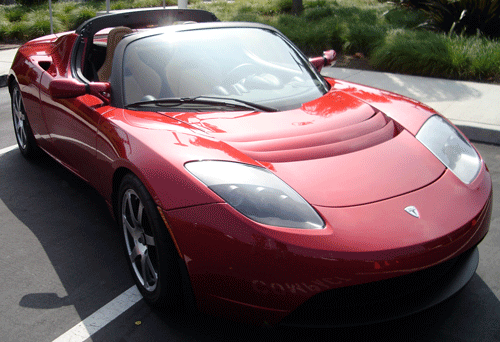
(240, 71)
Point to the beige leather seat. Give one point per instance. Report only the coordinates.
(114, 37)
(193, 77)
(143, 79)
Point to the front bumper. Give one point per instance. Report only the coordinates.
(386, 299)
(266, 275)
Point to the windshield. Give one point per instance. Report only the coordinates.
(247, 64)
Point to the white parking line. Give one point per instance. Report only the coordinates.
(101, 317)
(7, 149)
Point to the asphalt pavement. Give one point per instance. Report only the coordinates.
(471, 106)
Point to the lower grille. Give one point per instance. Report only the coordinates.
(386, 299)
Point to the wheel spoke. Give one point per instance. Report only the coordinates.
(139, 214)
(133, 216)
(136, 251)
(22, 133)
(130, 207)
(150, 240)
(19, 108)
(134, 232)
(130, 222)
(152, 271)
(144, 272)
(149, 274)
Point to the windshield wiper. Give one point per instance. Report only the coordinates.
(246, 103)
(203, 100)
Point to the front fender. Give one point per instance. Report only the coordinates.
(155, 148)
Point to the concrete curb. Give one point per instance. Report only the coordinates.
(474, 132)
(3, 81)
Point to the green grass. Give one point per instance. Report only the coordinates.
(475, 58)
(404, 18)
(415, 52)
(388, 35)
(438, 55)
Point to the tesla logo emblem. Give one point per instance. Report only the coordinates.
(412, 211)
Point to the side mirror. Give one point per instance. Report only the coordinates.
(327, 59)
(65, 88)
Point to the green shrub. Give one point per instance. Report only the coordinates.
(3, 26)
(318, 13)
(13, 14)
(31, 3)
(319, 3)
(62, 10)
(323, 35)
(66, 7)
(414, 52)
(151, 3)
(417, 4)
(18, 30)
(268, 8)
(221, 9)
(361, 37)
(283, 6)
(119, 5)
(79, 15)
(404, 18)
(248, 17)
(38, 23)
(476, 57)
(355, 14)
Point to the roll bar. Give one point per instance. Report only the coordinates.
(143, 18)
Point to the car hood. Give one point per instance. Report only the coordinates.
(335, 151)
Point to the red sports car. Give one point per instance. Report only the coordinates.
(245, 183)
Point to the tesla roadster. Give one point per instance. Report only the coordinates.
(246, 184)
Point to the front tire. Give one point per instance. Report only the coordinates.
(150, 252)
(24, 135)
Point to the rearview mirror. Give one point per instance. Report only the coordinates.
(327, 59)
(65, 88)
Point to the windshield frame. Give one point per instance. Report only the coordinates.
(117, 78)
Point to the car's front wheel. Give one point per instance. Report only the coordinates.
(24, 135)
(150, 252)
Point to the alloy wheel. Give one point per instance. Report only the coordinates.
(19, 117)
(139, 240)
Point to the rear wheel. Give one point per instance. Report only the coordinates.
(150, 252)
(24, 135)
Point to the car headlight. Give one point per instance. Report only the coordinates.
(256, 193)
(450, 147)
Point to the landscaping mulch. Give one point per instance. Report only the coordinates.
(356, 61)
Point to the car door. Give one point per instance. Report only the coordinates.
(33, 68)
(72, 124)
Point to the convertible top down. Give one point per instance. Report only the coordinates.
(247, 185)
